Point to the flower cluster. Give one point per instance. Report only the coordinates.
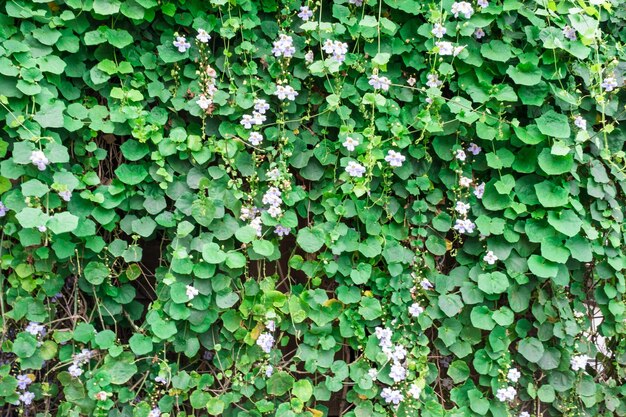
(39, 159)
(354, 169)
(272, 197)
(205, 99)
(265, 342)
(337, 49)
(379, 83)
(283, 46)
(78, 360)
(191, 291)
(447, 48)
(462, 7)
(285, 92)
(579, 362)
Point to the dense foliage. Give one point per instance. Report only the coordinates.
(358, 208)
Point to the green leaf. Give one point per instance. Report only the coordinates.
(215, 406)
(24, 345)
(31, 217)
(459, 371)
(555, 164)
(263, 247)
(531, 349)
(310, 240)
(63, 222)
(541, 267)
(279, 383)
(140, 344)
(302, 389)
(96, 272)
(565, 221)
(493, 283)
(496, 50)
(131, 174)
(106, 7)
(554, 124)
(143, 227)
(551, 195)
(50, 114)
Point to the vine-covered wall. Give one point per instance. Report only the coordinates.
(362, 208)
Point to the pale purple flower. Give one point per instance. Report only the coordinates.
(411, 81)
(162, 380)
(445, 48)
(274, 211)
(203, 36)
(155, 412)
(3, 209)
(433, 80)
(191, 291)
(261, 105)
(356, 2)
(247, 121)
(39, 160)
(462, 7)
(270, 325)
(383, 334)
(258, 118)
(354, 169)
(204, 102)
(392, 396)
(458, 50)
(482, 3)
(23, 381)
(373, 373)
(395, 159)
(42, 229)
(283, 46)
(272, 197)
(465, 182)
(460, 155)
(569, 33)
(609, 84)
(426, 284)
(462, 208)
(35, 329)
(274, 174)
(350, 143)
(379, 83)
(513, 375)
(491, 259)
(415, 310)
(75, 370)
(474, 149)
(26, 398)
(415, 391)
(479, 190)
(181, 43)
(65, 195)
(282, 230)
(580, 123)
(305, 13)
(265, 342)
(269, 370)
(397, 372)
(285, 92)
(465, 226)
(524, 414)
(255, 138)
(309, 57)
(479, 33)
(439, 30)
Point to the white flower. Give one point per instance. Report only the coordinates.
(269, 370)
(462, 7)
(354, 169)
(506, 394)
(491, 259)
(101, 396)
(203, 36)
(373, 373)
(23, 381)
(39, 160)
(42, 229)
(465, 181)
(261, 105)
(155, 412)
(255, 138)
(513, 375)
(350, 143)
(309, 57)
(274, 174)
(3, 209)
(433, 80)
(609, 84)
(181, 43)
(579, 362)
(285, 92)
(415, 391)
(465, 226)
(479, 33)
(191, 292)
(569, 33)
(384, 336)
(257, 225)
(258, 118)
(462, 208)
(75, 370)
(204, 102)
(356, 2)
(474, 149)
(415, 310)
(394, 353)
(524, 414)
(411, 81)
(479, 190)
(379, 83)
(270, 325)
(283, 46)
(580, 123)
(397, 372)
(460, 155)
(482, 3)
(26, 398)
(458, 50)
(265, 341)
(438, 30)
(305, 13)
(282, 230)
(395, 159)
(82, 357)
(392, 396)
(35, 329)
